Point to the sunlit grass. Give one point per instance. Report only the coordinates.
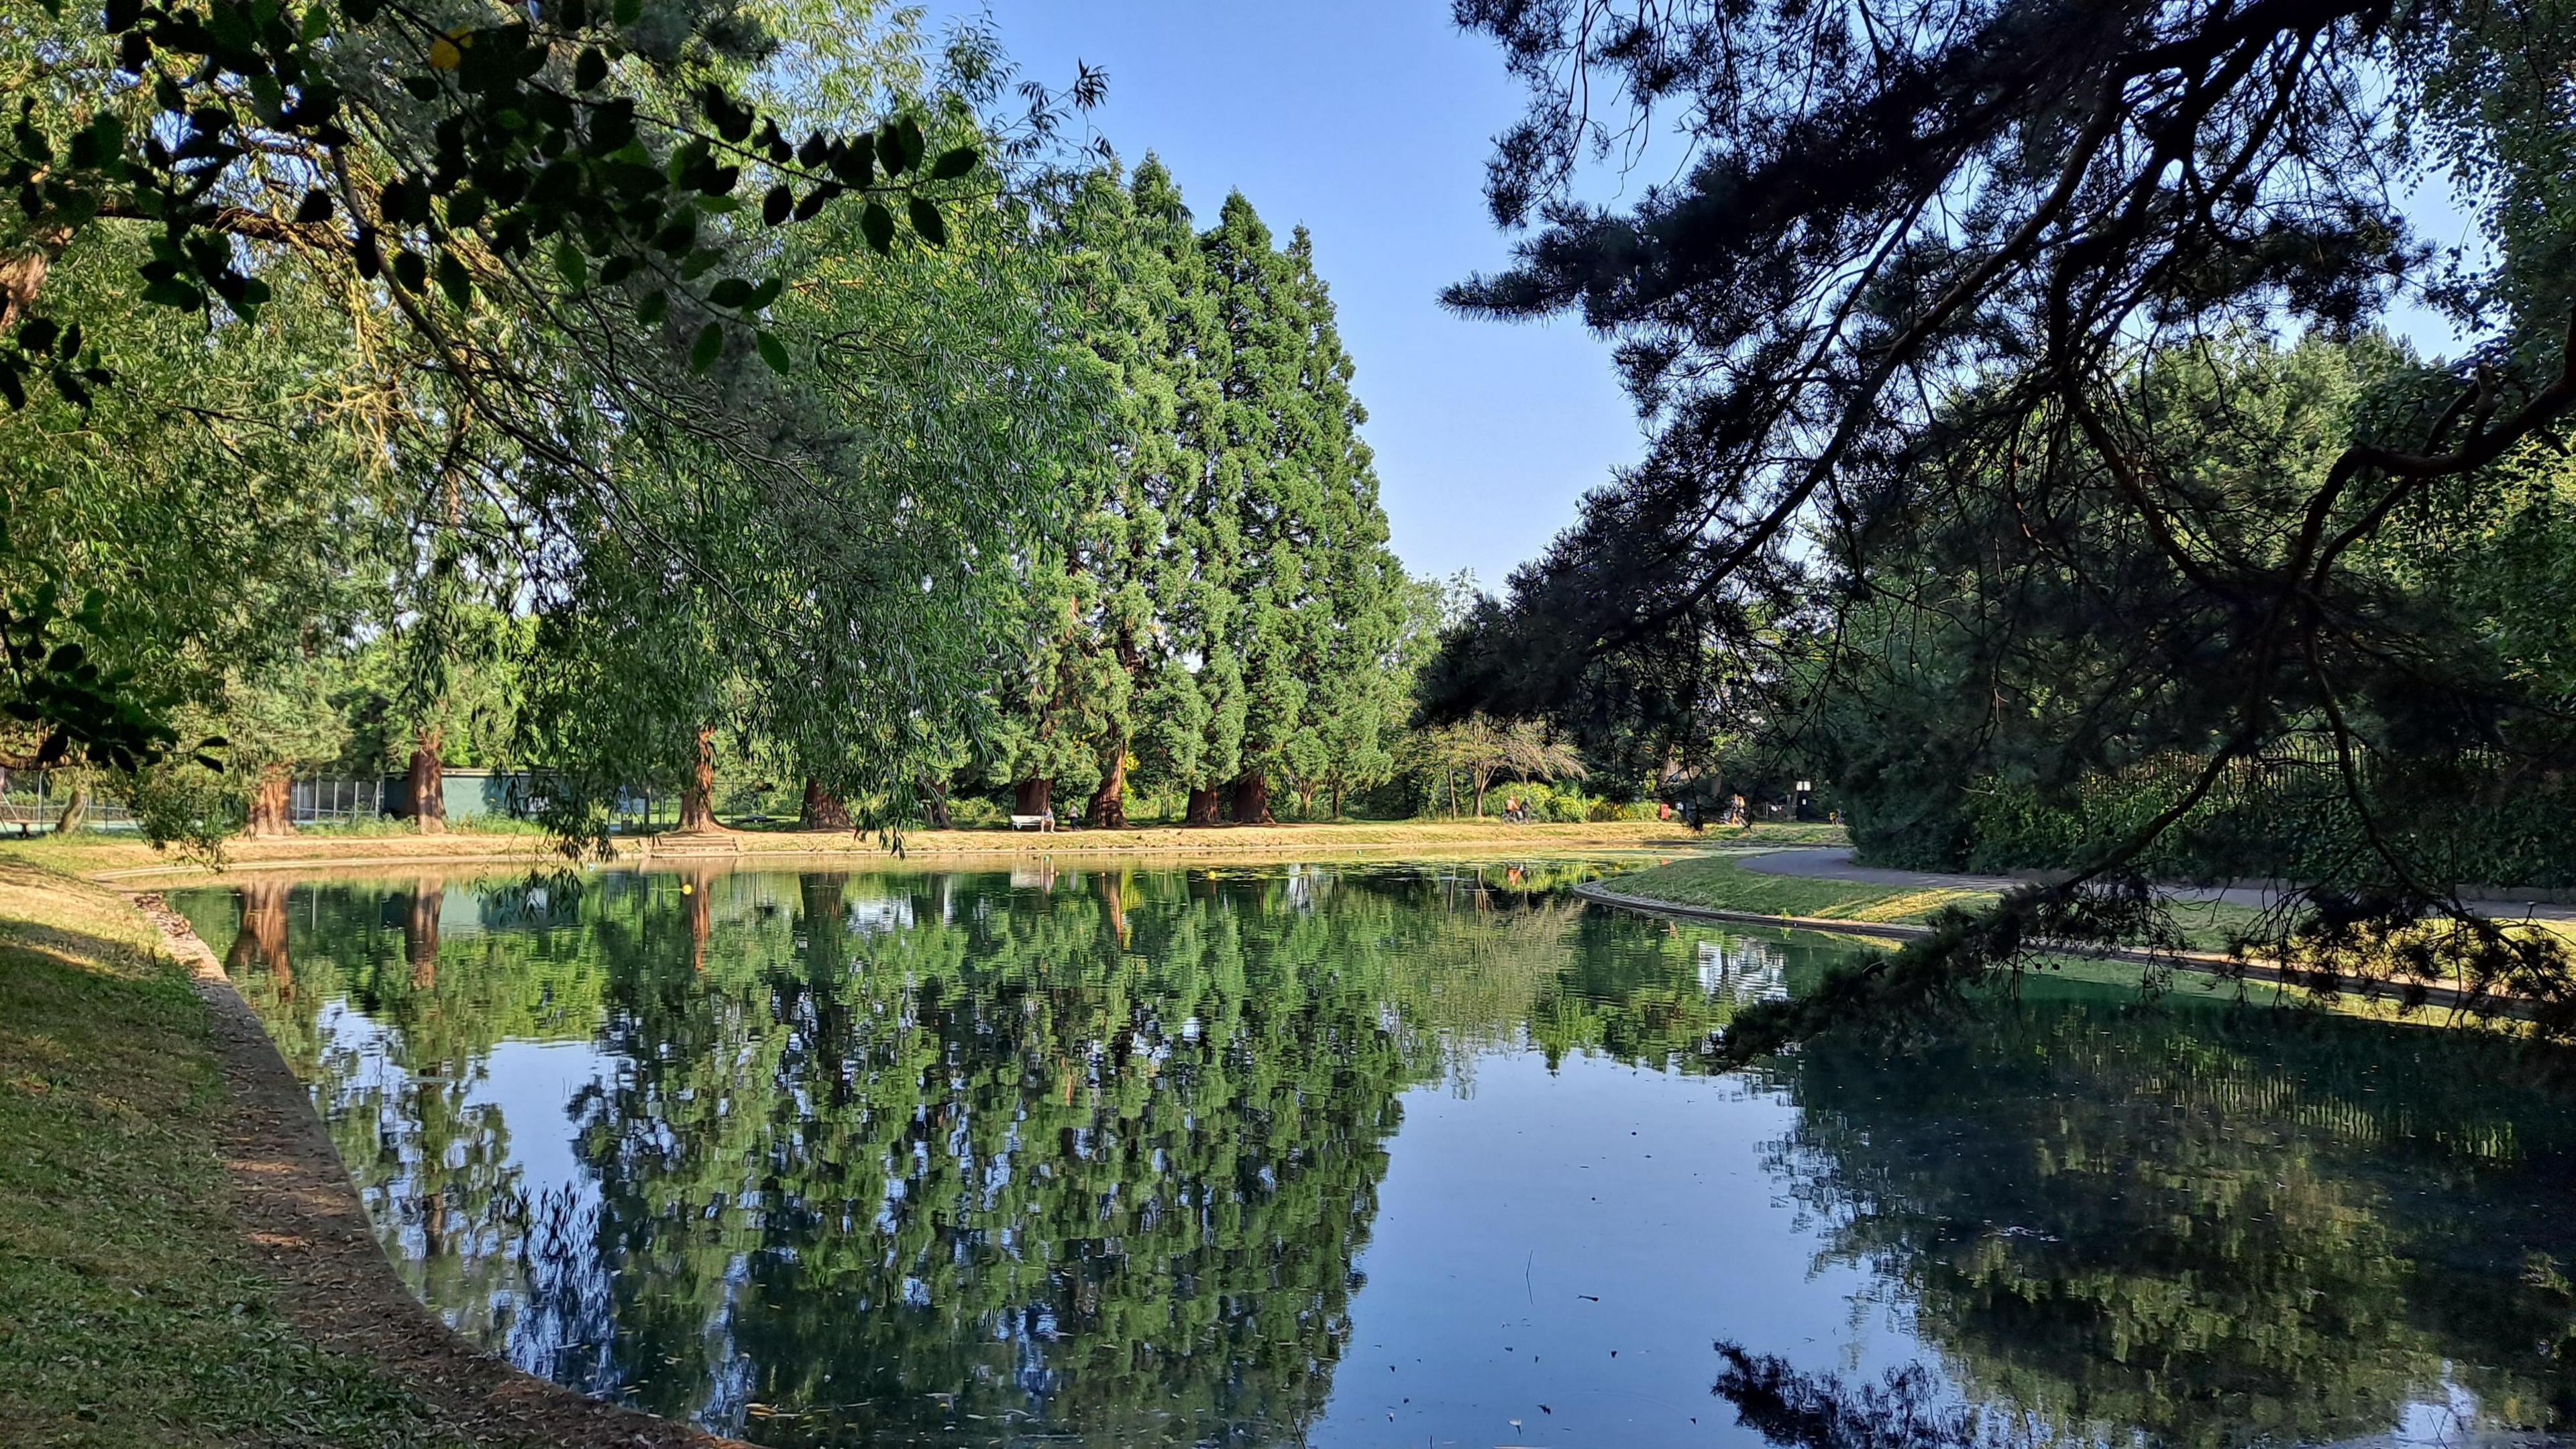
(1721, 882)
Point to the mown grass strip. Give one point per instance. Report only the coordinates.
(127, 1314)
(1721, 882)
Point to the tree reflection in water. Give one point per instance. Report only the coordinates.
(1088, 1153)
(2187, 1224)
(1091, 1155)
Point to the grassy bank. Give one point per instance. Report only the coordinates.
(128, 1315)
(1719, 882)
(99, 854)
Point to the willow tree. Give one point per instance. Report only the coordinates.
(192, 612)
(564, 235)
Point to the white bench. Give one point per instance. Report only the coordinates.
(1034, 822)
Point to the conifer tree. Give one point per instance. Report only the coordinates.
(1349, 624)
(1225, 612)
(1261, 495)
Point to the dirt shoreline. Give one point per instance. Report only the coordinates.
(308, 1234)
(134, 864)
(305, 1228)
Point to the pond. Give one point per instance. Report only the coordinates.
(1382, 1156)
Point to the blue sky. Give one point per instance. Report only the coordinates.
(1368, 122)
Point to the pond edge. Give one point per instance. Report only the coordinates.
(309, 1234)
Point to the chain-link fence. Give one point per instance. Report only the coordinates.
(324, 801)
(33, 802)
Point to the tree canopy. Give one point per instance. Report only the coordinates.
(1225, 614)
(1936, 270)
(549, 277)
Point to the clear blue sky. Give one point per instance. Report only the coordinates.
(1368, 121)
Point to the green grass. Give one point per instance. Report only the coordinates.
(127, 1313)
(1720, 882)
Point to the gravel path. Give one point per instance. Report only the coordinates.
(1835, 863)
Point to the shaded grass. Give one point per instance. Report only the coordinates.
(127, 1313)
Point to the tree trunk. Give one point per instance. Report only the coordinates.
(75, 809)
(263, 936)
(822, 809)
(1032, 797)
(1337, 799)
(1252, 799)
(934, 802)
(1113, 897)
(426, 785)
(420, 935)
(22, 276)
(1305, 800)
(1482, 780)
(827, 930)
(698, 797)
(1203, 807)
(702, 915)
(272, 804)
(1109, 802)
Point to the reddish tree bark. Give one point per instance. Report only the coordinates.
(1205, 806)
(262, 940)
(822, 810)
(420, 934)
(702, 916)
(1113, 895)
(1109, 802)
(1252, 799)
(272, 804)
(425, 785)
(698, 797)
(1032, 797)
(827, 928)
(934, 802)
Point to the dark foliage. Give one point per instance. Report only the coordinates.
(1890, 313)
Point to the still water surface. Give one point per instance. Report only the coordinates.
(1384, 1156)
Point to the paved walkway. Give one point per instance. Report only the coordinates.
(1835, 863)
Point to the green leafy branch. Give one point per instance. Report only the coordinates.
(527, 145)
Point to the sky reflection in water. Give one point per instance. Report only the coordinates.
(1384, 1156)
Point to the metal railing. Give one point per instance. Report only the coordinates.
(324, 801)
(32, 802)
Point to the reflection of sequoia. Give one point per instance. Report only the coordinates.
(2210, 1229)
(873, 1191)
(420, 934)
(1113, 899)
(262, 940)
(694, 880)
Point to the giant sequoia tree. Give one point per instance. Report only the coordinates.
(1225, 614)
(1906, 266)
